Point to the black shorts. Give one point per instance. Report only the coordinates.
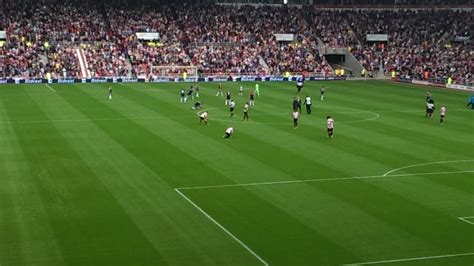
(330, 130)
(299, 87)
(442, 116)
(429, 111)
(232, 109)
(252, 97)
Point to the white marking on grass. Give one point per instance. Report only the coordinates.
(50, 88)
(289, 115)
(221, 227)
(95, 119)
(423, 164)
(321, 180)
(466, 219)
(156, 117)
(411, 259)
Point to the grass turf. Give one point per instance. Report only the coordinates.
(88, 181)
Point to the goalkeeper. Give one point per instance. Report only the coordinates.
(471, 102)
(257, 90)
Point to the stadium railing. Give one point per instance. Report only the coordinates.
(229, 78)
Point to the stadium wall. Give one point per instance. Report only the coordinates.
(438, 85)
(161, 80)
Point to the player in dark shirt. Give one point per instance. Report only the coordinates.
(298, 99)
(197, 105)
(190, 93)
(428, 96)
(251, 97)
(228, 95)
(295, 104)
(196, 91)
(299, 83)
(182, 96)
(322, 91)
(219, 90)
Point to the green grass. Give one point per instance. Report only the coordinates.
(88, 181)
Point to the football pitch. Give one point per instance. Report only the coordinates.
(137, 180)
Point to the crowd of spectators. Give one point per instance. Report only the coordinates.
(43, 37)
(420, 42)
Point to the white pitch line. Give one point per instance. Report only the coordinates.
(423, 164)
(321, 180)
(377, 116)
(222, 227)
(412, 259)
(96, 119)
(465, 219)
(50, 88)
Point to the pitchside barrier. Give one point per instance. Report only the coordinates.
(437, 84)
(160, 80)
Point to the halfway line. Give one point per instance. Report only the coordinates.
(321, 180)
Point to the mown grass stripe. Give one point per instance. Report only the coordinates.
(63, 181)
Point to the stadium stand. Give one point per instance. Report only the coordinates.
(84, 40)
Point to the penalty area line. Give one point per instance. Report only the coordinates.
(221, 227)
(412, 259)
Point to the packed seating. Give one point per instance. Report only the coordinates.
(42, 37)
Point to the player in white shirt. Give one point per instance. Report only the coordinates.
(430, 107)
(308, 103)
(295, 116)
(330, 126)
(110, 93)
(228, 132)
(246, 112)
(442, 113)
(232, 108)
(241, 90)
(203, 117)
